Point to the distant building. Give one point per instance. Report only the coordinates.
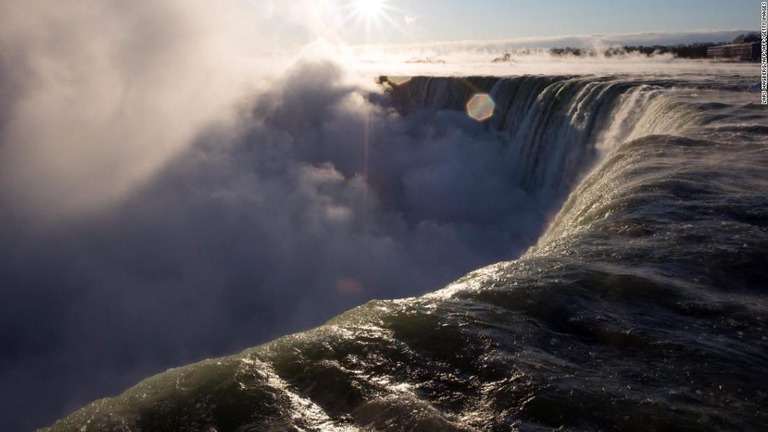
(749, 51)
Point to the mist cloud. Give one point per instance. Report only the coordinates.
(493, 47)
(104, 93)
(194, 225)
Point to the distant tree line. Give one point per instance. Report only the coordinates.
(689, 51)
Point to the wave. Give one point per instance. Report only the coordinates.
(642, 307)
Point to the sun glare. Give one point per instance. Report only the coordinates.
(378, 19)
(368, 9)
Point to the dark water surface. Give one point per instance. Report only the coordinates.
(643, 307)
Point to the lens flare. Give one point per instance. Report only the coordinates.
(481, 107)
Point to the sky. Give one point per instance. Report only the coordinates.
(182, 179)
(498, 19)
(450, 20)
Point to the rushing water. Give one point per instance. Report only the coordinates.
(641, 308)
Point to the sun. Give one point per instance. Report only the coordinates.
(376, 18)
(368, 9)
